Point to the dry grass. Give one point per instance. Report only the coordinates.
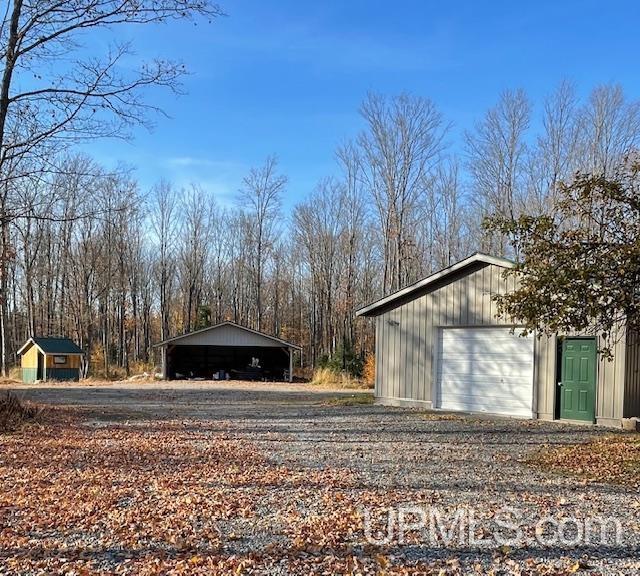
(327, 378)
(15, 412)
(362, 399)
(443, 416)
(7, 382)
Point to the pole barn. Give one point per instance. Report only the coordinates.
(227, 351)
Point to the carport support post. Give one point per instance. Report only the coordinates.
(290, 365)
(163, 362)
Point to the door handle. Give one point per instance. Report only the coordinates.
(560, 384)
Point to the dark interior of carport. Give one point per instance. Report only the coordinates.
(204, 361)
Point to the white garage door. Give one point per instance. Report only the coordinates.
(485, 370)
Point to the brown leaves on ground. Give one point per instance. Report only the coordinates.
(158, 498)
(134, 499)
(612, 459)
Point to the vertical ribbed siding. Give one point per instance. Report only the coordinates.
(545, 376)
(611, 381)
(63, 374)
(632, 376)
(611, 377)
(405, 351)
(406, 336)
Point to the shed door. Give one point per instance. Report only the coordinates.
(485, 370)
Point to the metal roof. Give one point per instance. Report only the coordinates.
(176, 339)
(423, 285)
(53, 346)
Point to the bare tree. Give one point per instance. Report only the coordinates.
(610, 128)
(401, 144)
(319, 228)
(450, 238)
(496, 153)
(88, 95)
(556, 156)
(261, 197)
(354, 219)
(86, 255)
(198, 208)
(164, 222)
(53, 94)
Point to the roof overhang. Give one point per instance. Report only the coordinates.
(379, 306)
(27, 345)
(31, 342)
(176, 339)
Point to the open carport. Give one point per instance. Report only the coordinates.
(227, 350)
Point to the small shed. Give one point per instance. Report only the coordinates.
(50, 359)
(227, 351)
(441, 344)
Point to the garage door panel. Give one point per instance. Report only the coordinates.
(490, 406)
(469, 352)
(499, 399)
(462, 346)
(519, 388)
(485, 370)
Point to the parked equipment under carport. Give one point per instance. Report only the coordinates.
(227, 350)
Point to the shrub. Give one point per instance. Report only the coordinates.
(14, 412)
(344, 359)
(369, 370)
(96, 360)
(140, 367)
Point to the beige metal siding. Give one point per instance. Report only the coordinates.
(227, 335)
(610, 387)
(632, 376)
(610, 397)
(406, 337)
(545, 376)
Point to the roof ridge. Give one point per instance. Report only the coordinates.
(230, 323)
(407, 291)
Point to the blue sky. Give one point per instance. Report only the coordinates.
(286, 77)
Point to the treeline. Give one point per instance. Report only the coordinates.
(90, 255)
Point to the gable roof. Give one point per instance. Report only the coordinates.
(220, 327)
(52, 346)
(422, 286)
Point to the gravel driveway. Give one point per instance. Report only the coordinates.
(400, 460)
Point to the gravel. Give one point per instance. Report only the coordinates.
(452, 464)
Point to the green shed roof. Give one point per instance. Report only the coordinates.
(53, 345)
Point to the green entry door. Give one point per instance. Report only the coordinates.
(578, 385)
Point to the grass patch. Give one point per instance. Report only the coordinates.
(352, 400)
(612, 459)
(15, 412)
(328, 378)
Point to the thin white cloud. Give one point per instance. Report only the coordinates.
(199, 162)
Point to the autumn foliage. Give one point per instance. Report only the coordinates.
(369, 370)
(578, 267)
